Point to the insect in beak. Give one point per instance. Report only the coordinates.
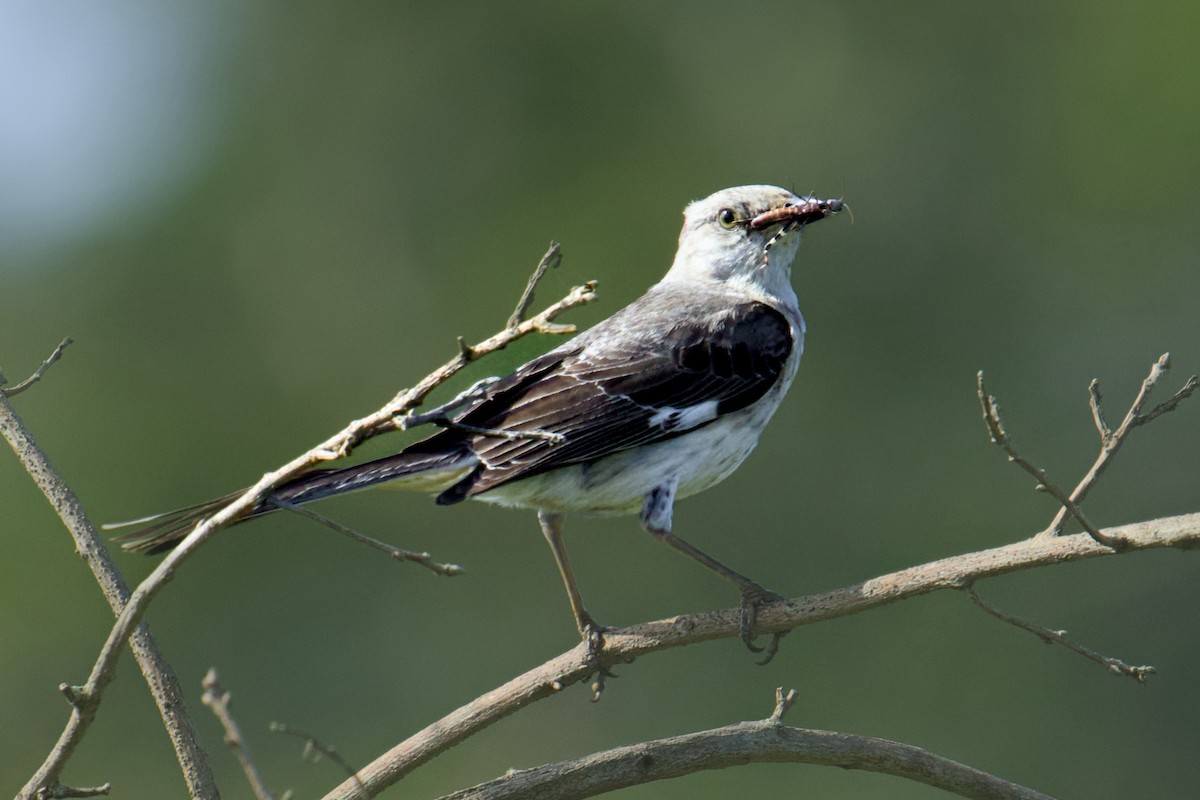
(810, 210)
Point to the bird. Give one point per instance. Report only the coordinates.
(660, 401)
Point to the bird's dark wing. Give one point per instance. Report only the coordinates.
(633, 391)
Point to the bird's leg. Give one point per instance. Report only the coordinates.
(753, 594)
(656, 518)
(590, 630)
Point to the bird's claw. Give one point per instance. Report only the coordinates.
(754, 596)
(592, 633)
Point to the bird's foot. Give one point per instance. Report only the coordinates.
(754, 596)
(592, 633)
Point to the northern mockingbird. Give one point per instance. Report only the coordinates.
(658, 402)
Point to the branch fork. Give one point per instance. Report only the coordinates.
(1110, 443)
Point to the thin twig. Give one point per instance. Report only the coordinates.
(35, 377)
(625, 644)
(767, 741)
(159, 677)
(398, 553)
(504, 433)
(1050, 636)
(387, 419)
(1098, 412)
(991, 416)
(1111, 441)
(476, 392)
(59, 790)
(442, 415)
(1184, 392)
(552, 258)
(783, 704)
(314, 749)
(217, 699)
(336, 446)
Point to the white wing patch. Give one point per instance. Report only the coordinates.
(672, 419)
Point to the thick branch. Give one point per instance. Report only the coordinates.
(734, 745)
(160, 678)
(623, 644)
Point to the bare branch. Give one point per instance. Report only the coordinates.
(1049, 636)
(1157, 371)
(314, 749)
(783, 704)
(336, 446)
(552, 258)
(1097, 412)
(59, 790)
(1184, 392)
(442, 416)
(398, 553)
(1111, 441)
(766, 741)
(409, 399)
(624, 644)
(476, 392)
(159, 676)
(991, 416)
(216, 698)
(501, 433)
(34, 378)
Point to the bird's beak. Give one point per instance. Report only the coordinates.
(808, 210)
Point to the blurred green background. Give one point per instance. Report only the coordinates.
(259, 220)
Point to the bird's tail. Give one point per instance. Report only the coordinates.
(412, 471)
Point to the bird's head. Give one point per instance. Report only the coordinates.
(746, 233)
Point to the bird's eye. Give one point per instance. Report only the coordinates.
(727, 217)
